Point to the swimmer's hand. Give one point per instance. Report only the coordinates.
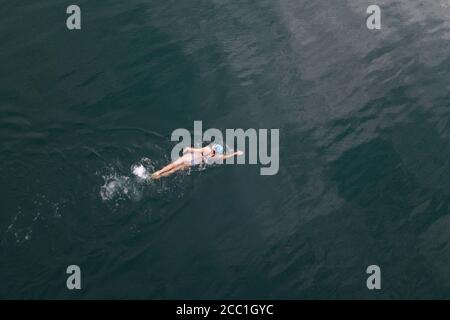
(187, 149)
(229, 155)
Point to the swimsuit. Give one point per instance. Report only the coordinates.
(198, 159)
(193, 159)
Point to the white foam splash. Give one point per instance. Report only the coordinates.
(140, 171)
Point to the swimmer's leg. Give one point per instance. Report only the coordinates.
(185, 160)
(165, 169)
(174, 166)
(169, 167)
(168, 173)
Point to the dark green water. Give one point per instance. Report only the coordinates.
(364, 149)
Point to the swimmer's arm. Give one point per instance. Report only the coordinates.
(229, 155)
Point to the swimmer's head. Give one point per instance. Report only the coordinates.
(217, 148)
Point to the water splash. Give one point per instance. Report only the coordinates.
(118, 186)
(140, 171)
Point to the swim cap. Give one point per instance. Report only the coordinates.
(218, 148)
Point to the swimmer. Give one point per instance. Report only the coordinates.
(193, 157)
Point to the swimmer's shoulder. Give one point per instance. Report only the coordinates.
(207, 149)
